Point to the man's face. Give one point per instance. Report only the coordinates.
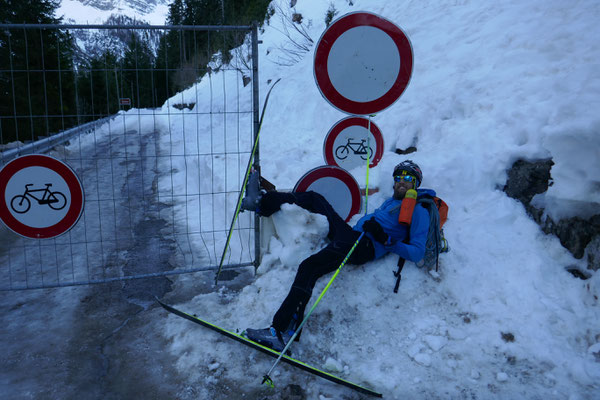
(400, 188)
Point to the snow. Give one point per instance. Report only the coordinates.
(74, 11)
(493, 82)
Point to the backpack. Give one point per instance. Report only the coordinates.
(436, 242)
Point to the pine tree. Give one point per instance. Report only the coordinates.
(36, 78)
(176, 10)
(99, 86)
(183, 56)
(137, 73)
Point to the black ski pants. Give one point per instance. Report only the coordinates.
(342, 237)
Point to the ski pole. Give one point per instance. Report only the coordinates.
(368, 164)
(267, 377)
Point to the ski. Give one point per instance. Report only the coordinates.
(243, 189)
(271, 352)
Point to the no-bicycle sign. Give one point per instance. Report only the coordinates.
(351, 141)
(40, 196)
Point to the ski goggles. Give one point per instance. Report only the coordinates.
(404, 178)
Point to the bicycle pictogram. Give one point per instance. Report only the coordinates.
(55, 200)
(358, 148)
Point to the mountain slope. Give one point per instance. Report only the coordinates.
(98, 11)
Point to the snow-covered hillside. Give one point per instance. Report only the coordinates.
(153, 12)
(493, 82)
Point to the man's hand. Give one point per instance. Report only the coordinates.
(376, 230)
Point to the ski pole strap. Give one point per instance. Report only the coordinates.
(398, 273)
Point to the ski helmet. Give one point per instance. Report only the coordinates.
(411, 168)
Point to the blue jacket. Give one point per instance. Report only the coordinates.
(387, 216)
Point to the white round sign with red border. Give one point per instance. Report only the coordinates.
(363, 63)
(350, 141)
(338, 187)
(41, 197)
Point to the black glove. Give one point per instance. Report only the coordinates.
(376, 230)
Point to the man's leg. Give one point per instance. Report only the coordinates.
(311, 269)
(343, 237)
(311, 201)
(325, 261)
(291, 312)
(271, 202)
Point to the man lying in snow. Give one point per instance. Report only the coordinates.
(383, 234)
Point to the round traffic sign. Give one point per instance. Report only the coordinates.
(338, 187)
(350, 141)
(40, 196)
(363, 63)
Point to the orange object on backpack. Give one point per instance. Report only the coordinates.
(436, 242)
(442, 209)
(408, 205)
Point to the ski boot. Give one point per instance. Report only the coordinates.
(253, 194)
(269, 337)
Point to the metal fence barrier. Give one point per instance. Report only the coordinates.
(157, 122)
(44, 145)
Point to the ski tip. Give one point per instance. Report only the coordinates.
(267, 379)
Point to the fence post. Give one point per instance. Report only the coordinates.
(256, 111)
